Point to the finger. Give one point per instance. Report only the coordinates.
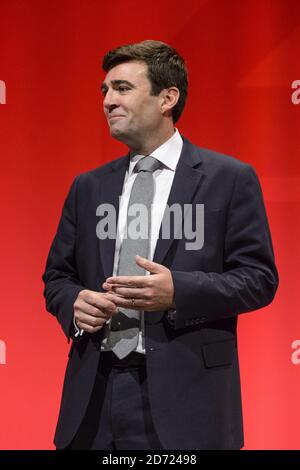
(129, 281)
(89, 309)
(150, 266)
(84, 320)
(99, 300)
(129, 292)
(108, 287)
(119, 289)
(127, 303)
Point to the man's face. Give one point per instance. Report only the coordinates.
(132, 113)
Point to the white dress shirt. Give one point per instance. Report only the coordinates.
(168, 154)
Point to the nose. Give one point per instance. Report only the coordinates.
(110, 100)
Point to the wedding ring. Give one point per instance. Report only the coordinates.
(132, 301)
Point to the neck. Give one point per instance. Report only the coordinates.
(147, 147)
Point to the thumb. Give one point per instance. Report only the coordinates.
(150, 266)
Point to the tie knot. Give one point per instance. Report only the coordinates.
(148, 163)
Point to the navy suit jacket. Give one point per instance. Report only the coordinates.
(192, 364)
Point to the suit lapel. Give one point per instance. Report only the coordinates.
(187, 179)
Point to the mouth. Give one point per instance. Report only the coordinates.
(112, 118)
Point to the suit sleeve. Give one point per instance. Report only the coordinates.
(249, 279)
(62, 283)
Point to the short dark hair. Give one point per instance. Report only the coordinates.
(166, 68)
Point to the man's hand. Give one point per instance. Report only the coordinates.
(92, 310)
(151, 293)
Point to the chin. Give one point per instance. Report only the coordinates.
(117, 134)
(114, 132)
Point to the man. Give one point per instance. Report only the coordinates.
(154, 363)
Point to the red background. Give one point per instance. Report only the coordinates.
(242, 57)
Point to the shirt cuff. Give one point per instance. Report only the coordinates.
(78, 331)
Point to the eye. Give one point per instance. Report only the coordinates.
(123, 88)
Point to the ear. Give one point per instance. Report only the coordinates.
(169, 98)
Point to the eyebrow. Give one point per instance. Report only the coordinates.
(104, 87)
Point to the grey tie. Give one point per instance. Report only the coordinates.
(124, 332)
